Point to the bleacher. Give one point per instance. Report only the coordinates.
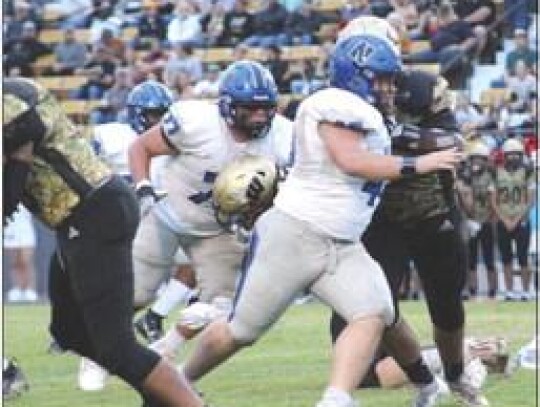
(62, 86)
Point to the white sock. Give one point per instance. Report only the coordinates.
(170, 342)
(340, 397)
(174, 293)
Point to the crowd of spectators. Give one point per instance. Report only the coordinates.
(169, 33)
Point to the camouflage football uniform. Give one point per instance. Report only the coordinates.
(95, 215)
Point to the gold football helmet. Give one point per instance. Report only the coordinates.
(244, 189)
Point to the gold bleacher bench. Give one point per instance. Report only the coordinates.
(493, 96)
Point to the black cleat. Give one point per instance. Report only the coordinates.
(14, 381)
(150, 326)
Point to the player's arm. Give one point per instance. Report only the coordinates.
(150, 144)
(343, 146)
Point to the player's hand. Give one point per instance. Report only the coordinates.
(147, 196)
(440, 160)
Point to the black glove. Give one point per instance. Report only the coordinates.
(147, 196)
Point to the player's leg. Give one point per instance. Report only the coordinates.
(99, 279)
(441, 261)
(504, 241)
(354, 285)
(472, 277)
(522, 235)
(154, 248)
(487, 241)
(217, 261)
(280, 250)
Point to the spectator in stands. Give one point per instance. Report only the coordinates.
(517, 14)
(520, 52)
(184, 58)
(13, 25)
(237, 24)
(213, 24)
(469, 118)
(521, 86)
(100, 73)
(114, 45)
(302, 25)
(396, 21)
(208, 87)
(24, 51)
(353, 9)
(153, 61)
(151, 25)
(240, 52)
(180, 83)
(415, 20)
(480, 14)
(19, 245)
(269, 25)
(301, 78)
(113, 107)
(450, 46)
(72, 13)
(277, 66)
(70, 54)
(102, 18)
(185, 27)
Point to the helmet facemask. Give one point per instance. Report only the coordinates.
(478, 164)
(513, 160)
(253, 118)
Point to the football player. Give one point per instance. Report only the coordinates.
(146, 104)
(418, 219)
(474, 183)
(199, 138)
(309, 239)
(52, 169)
(514, 192)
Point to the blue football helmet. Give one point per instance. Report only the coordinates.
(146, 102)
(248, 85)
(358, 60)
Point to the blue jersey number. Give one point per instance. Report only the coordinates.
(203, 196)
(373, 189)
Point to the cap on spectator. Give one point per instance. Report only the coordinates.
(520, 32)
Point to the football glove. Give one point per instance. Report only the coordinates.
(147, 196)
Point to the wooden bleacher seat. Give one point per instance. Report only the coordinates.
(42, 63)
(330, 5)
(418, 45)
(327, 31)
(56, 35)
(79, 110)
(61, 85)
(300, 52)
(433, 68)
(493, 96)
(216, 54)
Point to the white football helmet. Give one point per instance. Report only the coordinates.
(513, 145)
(370, 25)
(244, 189)
(479, 149)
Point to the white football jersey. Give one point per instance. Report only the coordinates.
(201, 136)
(316, 190)
(111, 142)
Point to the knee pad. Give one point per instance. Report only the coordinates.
(129, 360)
(199, 314)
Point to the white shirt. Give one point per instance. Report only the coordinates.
(197, 130)
(316, 190)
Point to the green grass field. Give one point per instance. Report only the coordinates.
(287, 368)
